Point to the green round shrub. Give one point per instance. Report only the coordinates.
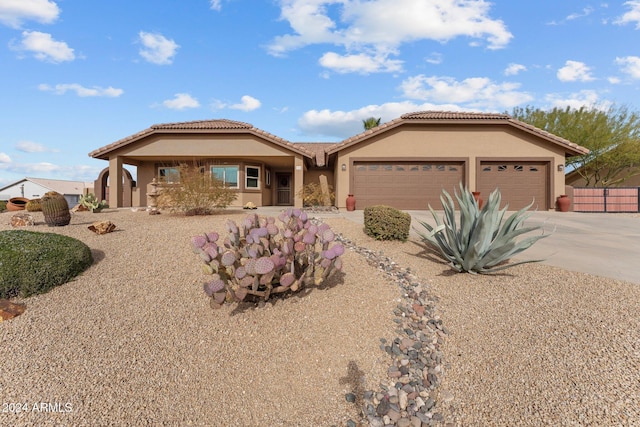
(386, 223)
(32, 263)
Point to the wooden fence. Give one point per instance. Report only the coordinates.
(598, 199)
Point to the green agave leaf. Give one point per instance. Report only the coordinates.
(504, 267)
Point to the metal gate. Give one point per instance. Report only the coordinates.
(598, 199)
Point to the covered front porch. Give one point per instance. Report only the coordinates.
(262, 168)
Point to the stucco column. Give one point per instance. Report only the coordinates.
(298, 181)
(115, 182)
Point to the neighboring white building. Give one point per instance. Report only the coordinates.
(34, 188)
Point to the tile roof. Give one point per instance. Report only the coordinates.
(319, 148)
(201, 126)
(453, 115)
(460, 117)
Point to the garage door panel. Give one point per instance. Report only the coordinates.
(519, 182)
(404, 185)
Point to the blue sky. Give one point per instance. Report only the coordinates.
(76, 75)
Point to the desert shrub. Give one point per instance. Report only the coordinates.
(196, 194)
(386, 223)
(33, 205)
(32, 263)
(481, 242)
(258, 258)
(3, 205)
(312, 195)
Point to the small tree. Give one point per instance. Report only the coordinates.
(612, 135)
(197, 193)
(371, 122)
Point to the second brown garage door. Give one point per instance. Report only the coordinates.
(404, 185)
(519, 182)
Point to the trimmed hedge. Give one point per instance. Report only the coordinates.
(386, 223)
(3, 205)
(32, 263)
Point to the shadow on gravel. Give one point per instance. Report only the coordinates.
(355, 380)
(335, 280)
(97, 255)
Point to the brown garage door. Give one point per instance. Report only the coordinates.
(519, 183)
(404, 185)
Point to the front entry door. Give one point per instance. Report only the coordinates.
(283, 189)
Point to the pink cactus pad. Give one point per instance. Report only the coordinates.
(198, 241)
(264, 265)
(338, 249)
(287, 279)
(228, 258)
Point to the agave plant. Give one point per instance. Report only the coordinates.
(482, 242)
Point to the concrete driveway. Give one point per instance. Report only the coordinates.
(601, 244)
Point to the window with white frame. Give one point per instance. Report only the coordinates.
(169, 175)
(252, 177)
(228, 175)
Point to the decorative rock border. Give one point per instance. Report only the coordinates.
(411, 397)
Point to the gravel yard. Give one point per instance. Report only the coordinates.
(134, 341)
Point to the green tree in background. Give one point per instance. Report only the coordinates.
(371, 122)
(612, 135)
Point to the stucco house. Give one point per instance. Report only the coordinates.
(403, 163)
(33, 188)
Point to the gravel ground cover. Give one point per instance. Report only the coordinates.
(134, 341)
(536, 345)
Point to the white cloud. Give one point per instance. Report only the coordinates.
(585, 12)
(614, 80)
(514, 69)
(45, 48)
(630, 65)
(435, 58)
(379, 27)
(157, 48)
(584, 98)
(4, 158)
(360, 63)
(32, 147)
(181, 101)
(36, 168)
(14, 12)
(343, 124)
(61, 89)
(574, 71)
(248, 103)
(633, 15)
(216, 4)
(474, 92)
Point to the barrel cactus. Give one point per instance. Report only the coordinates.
(258, 259)
(33, 205)
(55, 209)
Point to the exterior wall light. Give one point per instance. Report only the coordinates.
(560, 168)
(344, 167)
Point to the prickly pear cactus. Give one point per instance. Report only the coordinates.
(257, 258)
